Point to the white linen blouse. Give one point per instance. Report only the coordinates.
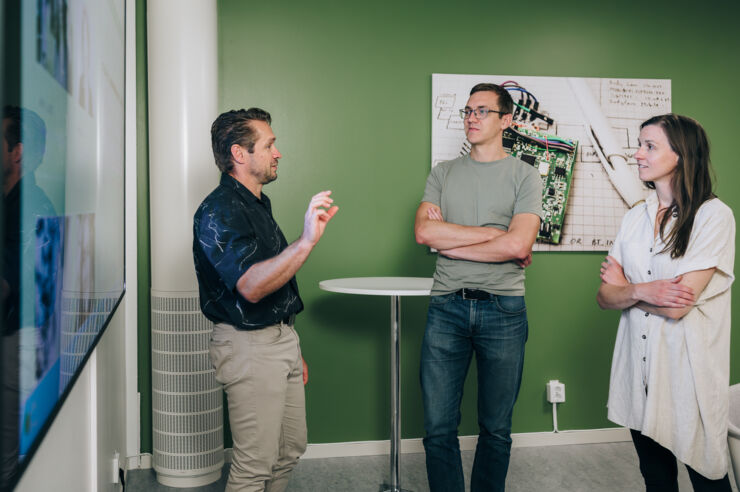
(670, 378)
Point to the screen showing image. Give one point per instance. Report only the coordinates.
(63, 163)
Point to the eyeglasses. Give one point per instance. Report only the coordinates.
(479, 113)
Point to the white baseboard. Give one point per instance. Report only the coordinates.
(526, 439)
(371, 448)
(588, 436)
(139, 462)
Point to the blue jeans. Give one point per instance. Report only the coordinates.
(496, 330)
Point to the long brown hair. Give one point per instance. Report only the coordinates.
(692, 181)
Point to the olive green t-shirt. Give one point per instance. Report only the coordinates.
(486, 194)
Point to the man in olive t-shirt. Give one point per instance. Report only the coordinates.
(482, 212)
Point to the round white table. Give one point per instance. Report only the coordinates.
(395, 287)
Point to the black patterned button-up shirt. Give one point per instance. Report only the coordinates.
(233, 230)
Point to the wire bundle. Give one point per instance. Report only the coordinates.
(548, 142)
(511, 85)
(530, 104)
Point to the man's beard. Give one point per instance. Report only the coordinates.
(269, 176)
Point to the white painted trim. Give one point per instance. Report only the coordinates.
(92, 446)
(139, 462)
(372, 448)
(527, 439)
(590, 436)
(130, 304)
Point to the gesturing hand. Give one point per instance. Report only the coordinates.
(612, 273)
(319, 213)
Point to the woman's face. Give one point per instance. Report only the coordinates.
(656, 160)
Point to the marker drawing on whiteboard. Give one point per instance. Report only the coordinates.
(606, 145)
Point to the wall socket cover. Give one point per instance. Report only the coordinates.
(555, 391)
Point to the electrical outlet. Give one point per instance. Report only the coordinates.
(555, 391)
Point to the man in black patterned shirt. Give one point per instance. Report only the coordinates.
(246, 276)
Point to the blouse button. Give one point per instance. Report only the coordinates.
(644, 359)
(647, 314)
(651, 250)
(644, 337)
(649, 272)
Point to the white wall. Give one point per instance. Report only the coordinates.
(76, 453)
(64, 457)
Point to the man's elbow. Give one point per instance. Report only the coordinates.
(250, 295)
(253, 297)
(520, 249)
(420, 234)
(249, 292)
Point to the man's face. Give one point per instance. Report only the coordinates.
(262, 163)
(484, 130)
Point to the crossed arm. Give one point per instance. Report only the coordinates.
(672, 298)
(475, 243)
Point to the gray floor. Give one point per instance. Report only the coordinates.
(576, 468)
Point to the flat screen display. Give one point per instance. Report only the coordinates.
(63, 206)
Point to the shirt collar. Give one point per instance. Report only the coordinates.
(233, 184)
(651, 208)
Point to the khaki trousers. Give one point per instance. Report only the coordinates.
(262, 374)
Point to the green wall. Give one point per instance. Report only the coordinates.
(349, 88)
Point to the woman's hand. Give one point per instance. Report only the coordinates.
(612, 272)
(669, 293)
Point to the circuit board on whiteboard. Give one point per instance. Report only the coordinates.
(554, 158)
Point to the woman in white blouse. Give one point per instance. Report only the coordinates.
(670, 272)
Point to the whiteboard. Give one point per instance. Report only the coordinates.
(595, 208)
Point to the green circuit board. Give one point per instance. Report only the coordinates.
(554, 158)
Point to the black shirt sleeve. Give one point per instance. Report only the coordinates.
(229, 243)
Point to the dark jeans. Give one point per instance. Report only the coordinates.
(496, 331)
(659, 469)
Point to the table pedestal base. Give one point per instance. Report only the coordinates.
(395, 287)
(387, 488)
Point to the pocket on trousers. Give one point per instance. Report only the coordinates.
(263, 336)
(443, 299)
(511, 304)
(222, 360)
